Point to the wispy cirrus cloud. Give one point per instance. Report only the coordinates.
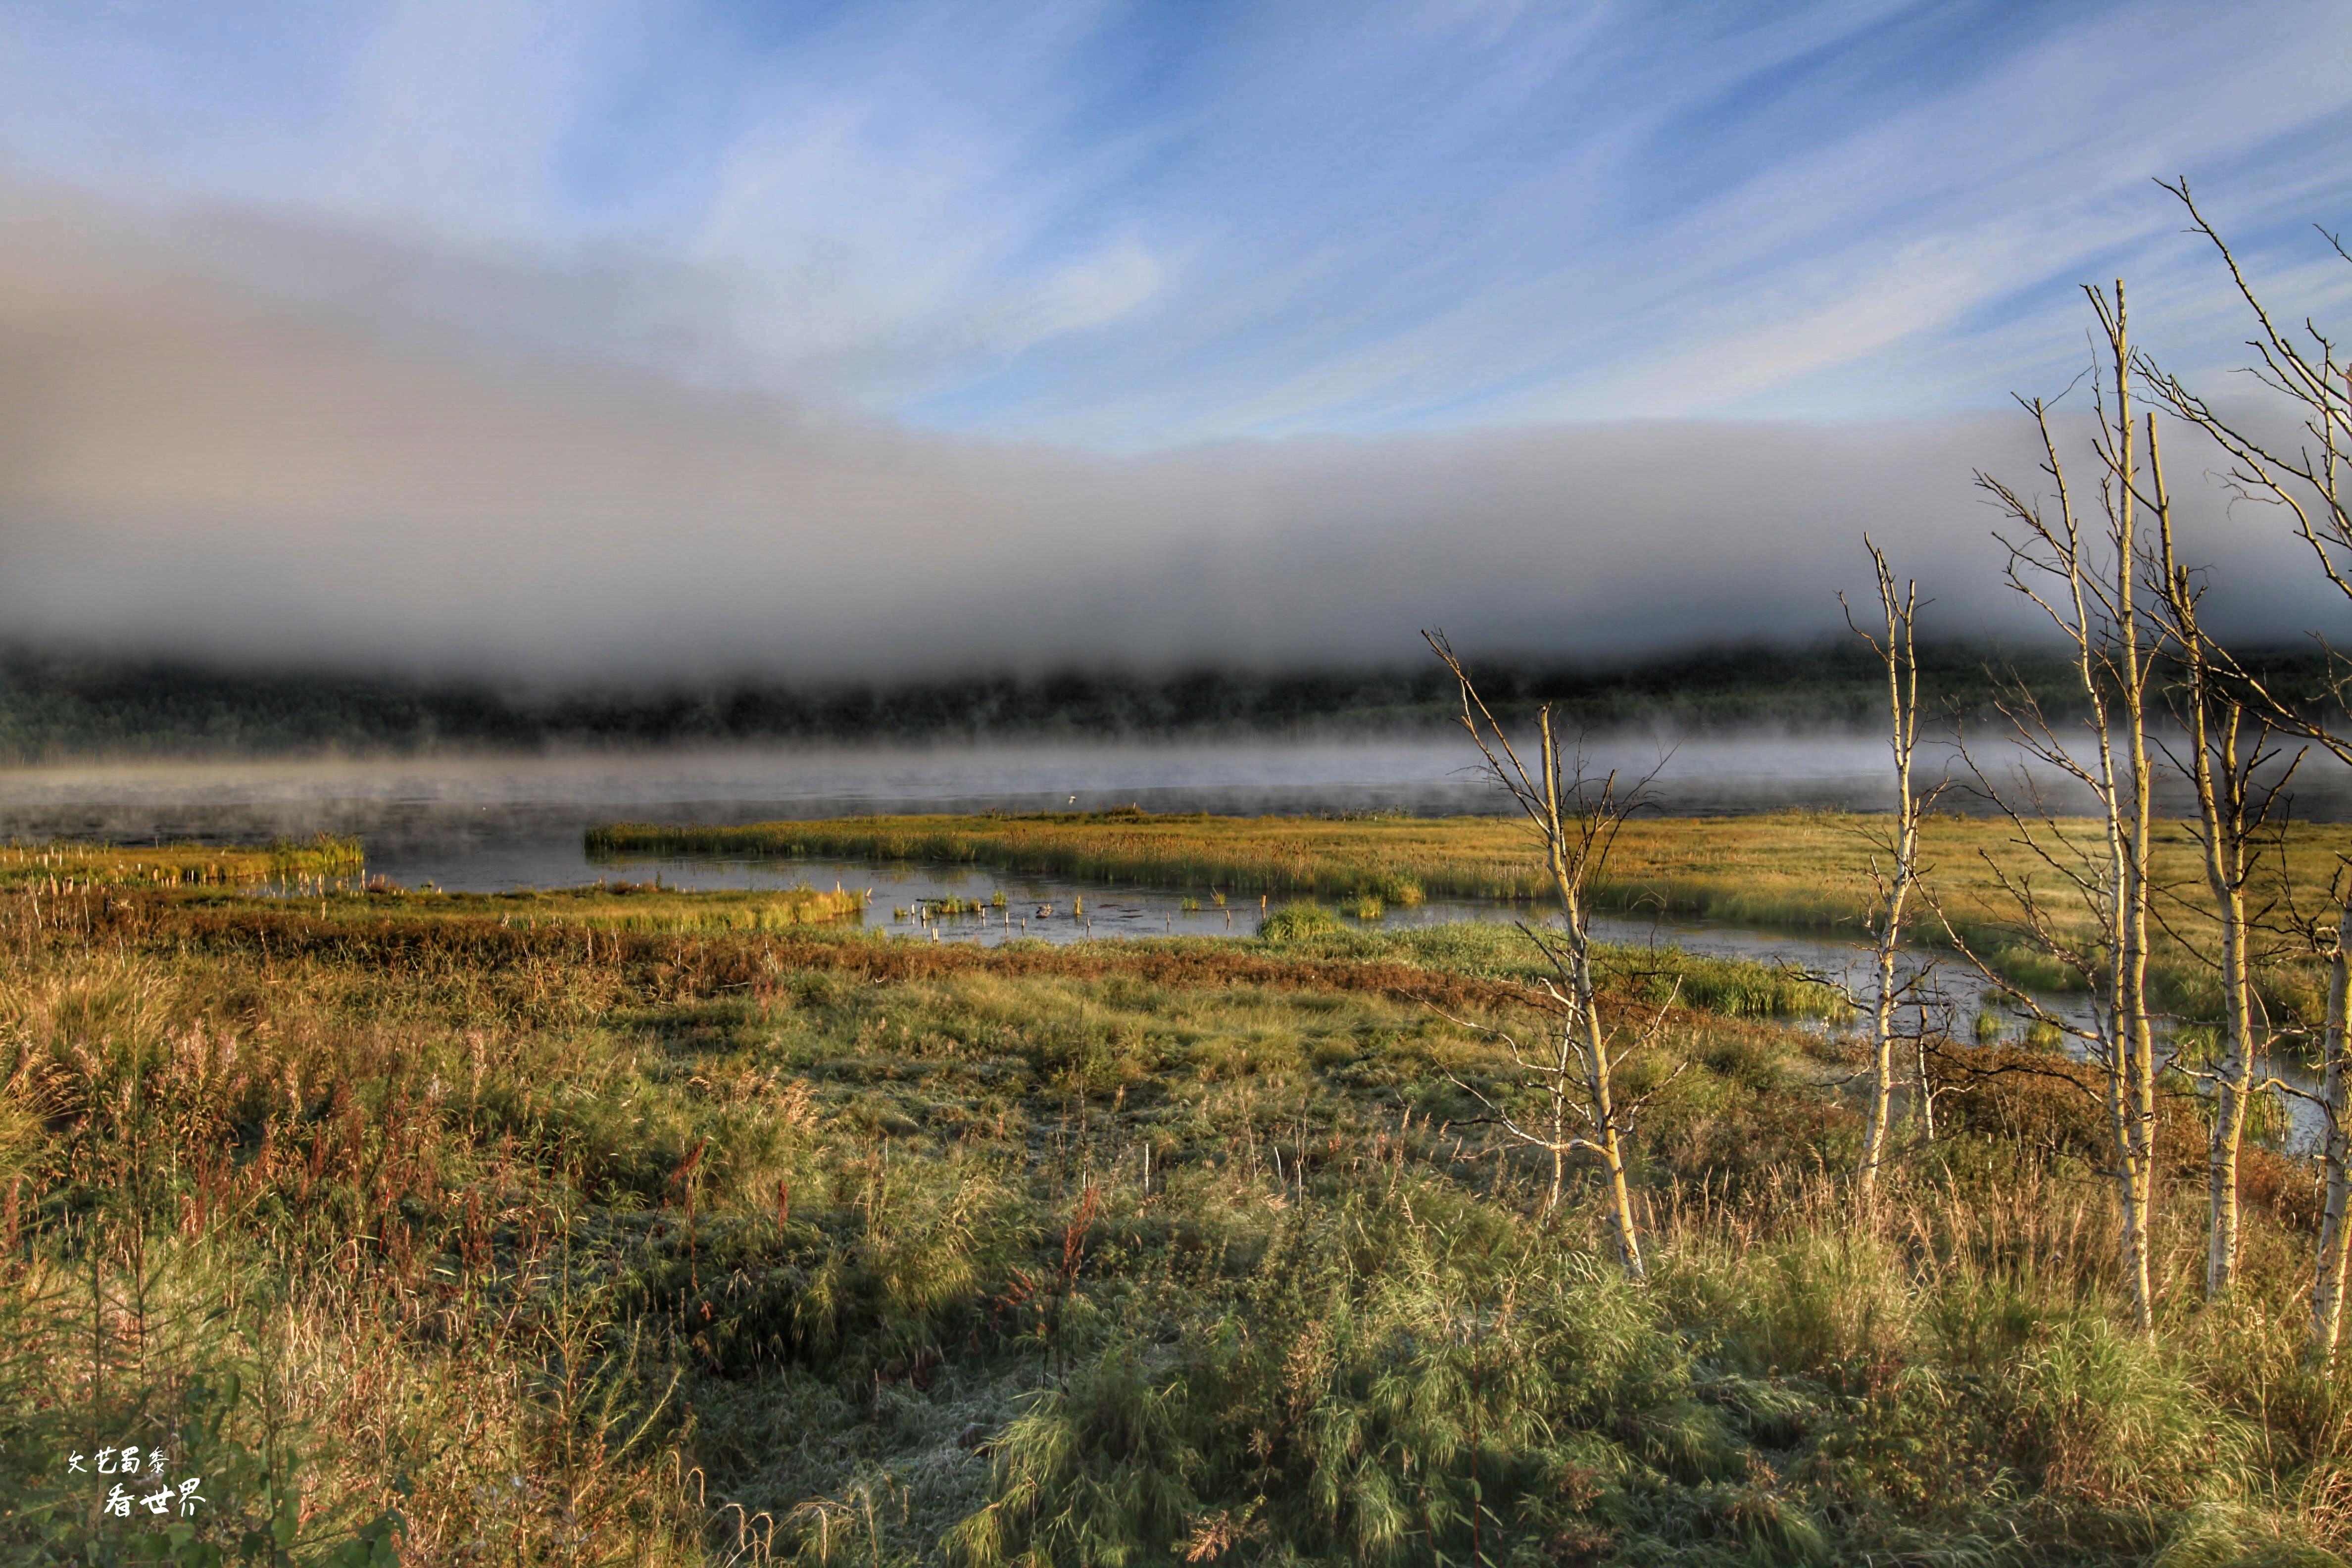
(1129, 225)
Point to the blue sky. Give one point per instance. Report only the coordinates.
(708, 335)
(1127, 227)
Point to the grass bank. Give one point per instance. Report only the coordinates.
(426, 1235)
(604, 907)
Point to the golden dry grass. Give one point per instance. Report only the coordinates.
(675, 1249)
(68, 867)
(612, 907)
(1797, 869)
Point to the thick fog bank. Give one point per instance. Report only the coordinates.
(190, 468)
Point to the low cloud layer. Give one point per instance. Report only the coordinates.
(189, 465)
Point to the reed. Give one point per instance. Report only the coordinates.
(601, 906)
(69, 867)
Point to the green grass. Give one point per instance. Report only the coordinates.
(700, 1245)
(1299, 921)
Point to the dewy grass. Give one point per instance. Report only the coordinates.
(420, 1222)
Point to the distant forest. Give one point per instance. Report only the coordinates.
(53, 707)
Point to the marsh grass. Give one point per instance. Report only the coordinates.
(1302, 921)
(1804, 870)
(697, 1245)
(71, 867)
(603, 907)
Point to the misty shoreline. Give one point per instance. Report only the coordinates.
(554, 795)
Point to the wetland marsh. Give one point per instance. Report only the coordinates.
(703, 1217)
(1018, 787)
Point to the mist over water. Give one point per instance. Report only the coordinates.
(487, 823)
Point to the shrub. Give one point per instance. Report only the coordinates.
(1299, 921)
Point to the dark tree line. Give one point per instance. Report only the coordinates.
(56, 706)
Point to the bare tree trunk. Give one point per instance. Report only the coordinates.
(2232, 809)
(1626, 1234)
(2306, 480)
(2335, 1218)
(2136, 1140)
(1898, 653)
(2225, 867)
(2089, 593)
(1600, 1086)
(1881, 1067)
(1575, 1069)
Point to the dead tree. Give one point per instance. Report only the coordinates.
(2307, 481)
(2229, 764)
(2084, 577)
(1576, 1071)
(2335, 1155)
(1895, 876)
(1577, 1110)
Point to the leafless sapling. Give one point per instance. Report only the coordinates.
(1895, 867)
(2230, 762)
(1584, 1106)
